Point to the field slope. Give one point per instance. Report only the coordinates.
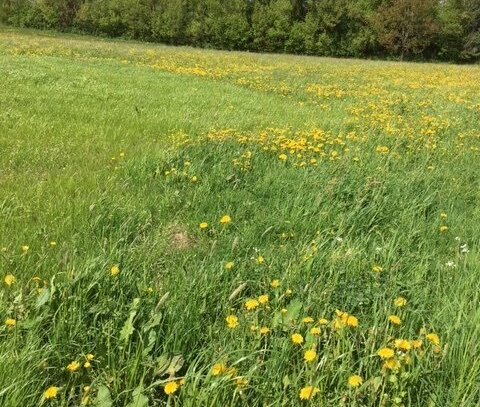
(185, 227)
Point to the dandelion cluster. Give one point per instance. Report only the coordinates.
(314, 338)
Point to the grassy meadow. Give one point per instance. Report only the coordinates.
(184, 227)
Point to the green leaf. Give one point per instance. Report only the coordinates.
(153, 322)
(276, 319)
(163, 362)
(377, 383)
(175, 364)
(53, 287)
(32, 322)
(293, 311)
(128, 329)
(169, 365)
(310, 340)
(152, 337)
(104, 399)
(139, 399)
(43, 297)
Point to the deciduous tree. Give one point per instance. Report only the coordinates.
(406, 27)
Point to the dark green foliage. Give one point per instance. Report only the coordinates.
(406, 27)
(272, 23)
(460, 24)
(130, 18)
(218, 23)
(428, 29)
(169, 21)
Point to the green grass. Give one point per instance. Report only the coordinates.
(99, 143)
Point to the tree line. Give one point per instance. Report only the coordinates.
(413, 29)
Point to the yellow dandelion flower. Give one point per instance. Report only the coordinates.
(260, 260)
(72, 367)
(288, 292)
(392, 364)
(354, 381)
(275, 284)
(377, 269)
(282, 157)
(315, 331)
(225, 220)
(323, 321)
(203, 225)
(194, 178)
(241, 382)
(9, 279)
(53, 243)
(433, 339)
(343, 319)
(114, 271)
(443, 215)
(386, 353)
(232, 321)
(251, 304)
(417, 344)
(394, 320)
(87, 365)
(89, 357)
(307, 320)
(403, 345)
(231, 372)
(338, 324)
(10, 323)
(310, 355)
(341, 315)
(297, 339)
(264, 330)
(263, 299)
(382, 150)
(51, 393)
(170, 388)
(307, 393)
(25, 248)
(284, 311)
(218, 369)
(229, 265)
(351, 321)
(443, 229)
(400, 302)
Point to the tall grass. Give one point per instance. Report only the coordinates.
(354, 184)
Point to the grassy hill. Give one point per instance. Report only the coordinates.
(235, 229)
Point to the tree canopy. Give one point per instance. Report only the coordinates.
(413, 29)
